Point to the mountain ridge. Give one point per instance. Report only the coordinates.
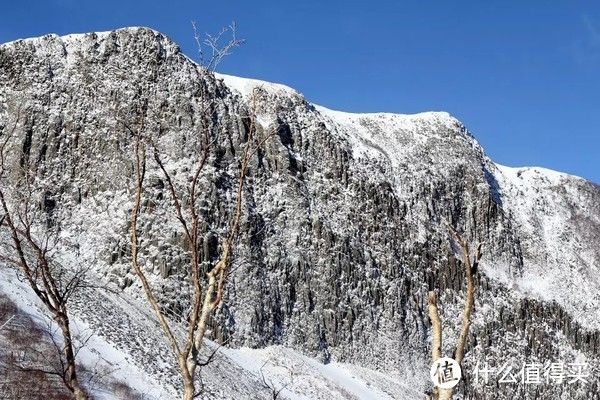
(343, 234)
(238, 83)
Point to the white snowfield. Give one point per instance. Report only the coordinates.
(97, 354)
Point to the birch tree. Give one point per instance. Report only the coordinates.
(206, 288)
(31, 247)
(436, 348)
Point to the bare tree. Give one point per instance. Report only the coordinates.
(31, 251)
(207, 289)
(269, 385)
(217, 52)
(436, 348)
(29, 368)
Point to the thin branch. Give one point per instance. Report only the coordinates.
(40, 370)
(212, 354)
(270, 385)
(6, 323)
(470, 296)
(198, 43)
(140, 172)
(218, 51)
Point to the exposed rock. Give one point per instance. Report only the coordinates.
(343, 231)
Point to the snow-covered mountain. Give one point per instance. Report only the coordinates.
(343, 233)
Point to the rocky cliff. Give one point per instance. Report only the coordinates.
(343, 232)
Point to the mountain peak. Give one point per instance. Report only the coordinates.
(342, 233)
(123, 39)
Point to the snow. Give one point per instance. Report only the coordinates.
(300, 377)
(410, 153)
(528, 176)
(304, 378)
(245, 86)
(389, 134)
(75, 37)
(543, 203)
(370, 134)
(97, 354)
(398, 119)
(546, 205)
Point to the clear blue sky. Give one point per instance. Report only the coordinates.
(523, 76)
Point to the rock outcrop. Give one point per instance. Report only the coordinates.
(343, 232)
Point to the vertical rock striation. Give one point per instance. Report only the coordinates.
(343, 234)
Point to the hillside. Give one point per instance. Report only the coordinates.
(343, 232)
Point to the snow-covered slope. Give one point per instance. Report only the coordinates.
(102, 358)
(558, 217)
(556, 213)
(258, 372)
(343, 232)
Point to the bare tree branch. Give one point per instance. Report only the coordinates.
(31, 247)
(270, 385)
(207, 288)
(470, 270)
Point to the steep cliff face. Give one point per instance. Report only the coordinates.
(343, 233)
